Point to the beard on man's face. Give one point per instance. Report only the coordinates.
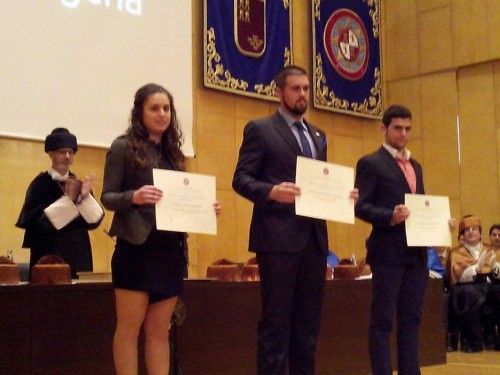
(297, 110)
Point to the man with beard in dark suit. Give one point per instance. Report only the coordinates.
(291, 250)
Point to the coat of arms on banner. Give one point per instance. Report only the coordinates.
(347, 72)
(246, 43)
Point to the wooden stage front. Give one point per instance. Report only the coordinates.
(69, 329)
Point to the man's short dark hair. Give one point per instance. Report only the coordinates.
(289, 70)
(493, 227)
(395, 111)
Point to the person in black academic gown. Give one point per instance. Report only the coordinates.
(59, 209)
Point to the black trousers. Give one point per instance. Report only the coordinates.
(397, 290)
(468, 301)
(292, 286)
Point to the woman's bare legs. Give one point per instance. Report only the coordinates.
(131, 308)
(156, 332)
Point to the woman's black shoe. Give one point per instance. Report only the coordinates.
(496, 347)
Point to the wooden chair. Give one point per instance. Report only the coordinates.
(224, 270)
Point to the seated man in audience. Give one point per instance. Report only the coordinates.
(332, 259)
(469, 270)
(495, 236)
(436, 260)
(492, 321)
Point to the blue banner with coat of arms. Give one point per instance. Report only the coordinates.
(246, 43)
(347, 72)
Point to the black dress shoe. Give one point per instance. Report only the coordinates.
(452, 342)
(473, 349)
(464, 344)
(488, 340)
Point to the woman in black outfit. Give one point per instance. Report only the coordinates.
(148, 265)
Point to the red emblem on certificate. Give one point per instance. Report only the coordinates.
(250, 27)
(346, 44)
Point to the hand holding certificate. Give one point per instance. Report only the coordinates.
(324, 190)
(427, 224)
(187, 204)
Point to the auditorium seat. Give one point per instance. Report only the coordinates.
(347, 270)
(250, 272)
(24, 271)
(329, 272)
(252, 260)
(224, 270)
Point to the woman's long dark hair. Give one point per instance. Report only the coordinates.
(138, 136)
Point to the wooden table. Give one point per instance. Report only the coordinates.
(69, 329)
(219, 334)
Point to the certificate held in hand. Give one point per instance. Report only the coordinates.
(324, 190)
(427, 224)
(187, 202)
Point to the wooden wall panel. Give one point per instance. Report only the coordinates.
(372, 137)
(223, 245)
(243, 209)
(434, 40)
(496, 103)
(346, 150)
(301, 32)
(496, 77)
(493, 26)
(498, 168)
(250, 108)
(424, 5)
(400, 39)
(407, 92)
(322, 119)
(216, 148)
(415, 145)
(17, 170)
(470, 31)
(213, 102)
(346, 239)
(456, 212)
(478, 147)
(349, 126)
(439, 124)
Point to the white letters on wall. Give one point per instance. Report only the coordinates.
(134, 7)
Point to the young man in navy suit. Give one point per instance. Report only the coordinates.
(291, 250)
(399, 272)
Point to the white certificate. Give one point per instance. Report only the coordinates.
(187, 202)
(324, 190)
(427, 224)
